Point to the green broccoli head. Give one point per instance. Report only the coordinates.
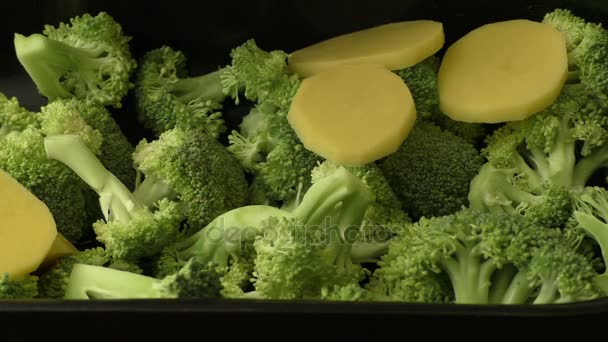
(145, 234)
(15, 118)
(536, 165)
(18, 289)
(197, 279)
(166, 95)
(268, 148)
(587, 45)
(431, 171)
(87, 58)
(298, 261)
(207, 180)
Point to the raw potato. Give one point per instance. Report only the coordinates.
(353, 114)
(27, 229)
(61, 247)
(501, 72)
(396, 46)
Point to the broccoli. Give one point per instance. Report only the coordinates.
(228, 239)
(591, 217)
(15, 118)
(189, 166)
(587, 46)
(431, 171)
(486, 258)
(166, 95)
(89, 58)
(298, 261)
(421, 79)
(130, 230)
(537, 164)
(383, 219)
(18, 289)
(196, 279)
(268, 148)
(22, 155)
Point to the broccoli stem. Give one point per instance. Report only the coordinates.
(470, 276)
(548, 293)
(366, 252)
(598, 231)
(500, 283)
(208, 87)
(113, 194)
(586, 167)
(519, 290)
(152, 190)
(47, 61)
(322, 199)
(106, 283)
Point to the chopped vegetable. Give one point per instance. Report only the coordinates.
(27, 229)
(353, 115)
(395, 46)
(504, 71)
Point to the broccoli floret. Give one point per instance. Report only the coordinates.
(536, 165)
(165, 94)
(196, 280)
(298, 261)
(193, 168)
(431, 171)
(347, 293)
(488, 258)
(130, 230)
(18, 289)
(54, 281)
(224, 241)
(22, 155)
(269, 149)
(587, 46)
(421, 80)
(87, 58)
(14, 118)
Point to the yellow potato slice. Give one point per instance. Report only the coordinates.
(27, 229)
(353, 114)
(396, 46)
(504, 71)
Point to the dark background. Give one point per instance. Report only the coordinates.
(206, 31)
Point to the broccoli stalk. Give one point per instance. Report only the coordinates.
(131, 230)
(591, 215)
(195, 280)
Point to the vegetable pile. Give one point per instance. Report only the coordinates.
(373, 166)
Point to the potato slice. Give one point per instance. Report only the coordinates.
(504, 71)
(396, 46)
(27, 228)
(353, 114)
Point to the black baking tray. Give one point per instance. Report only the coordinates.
(206, 31)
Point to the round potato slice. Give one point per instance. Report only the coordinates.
(353, 114)
(27, 229)
(504, 71)
(396, 46)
